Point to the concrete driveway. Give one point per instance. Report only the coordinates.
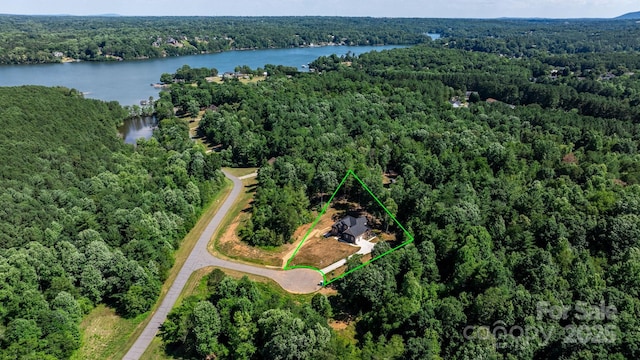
(366, 247)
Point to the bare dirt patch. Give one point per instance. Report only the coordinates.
(570, 158)
(345, 327)
(338, 325)
(328, 291)
(619, 182)
(383, 236)
(321, 252)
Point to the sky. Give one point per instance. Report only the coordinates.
(375, 8)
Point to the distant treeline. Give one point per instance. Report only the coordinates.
(45, 39)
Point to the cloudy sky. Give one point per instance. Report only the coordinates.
(377, 8)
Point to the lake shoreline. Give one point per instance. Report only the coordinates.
(129, 82)
(114, 59)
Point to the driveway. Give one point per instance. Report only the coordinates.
(366, 247)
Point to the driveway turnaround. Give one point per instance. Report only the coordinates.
(299, 281)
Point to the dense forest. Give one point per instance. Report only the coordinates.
(519, 178)
(241, 319)
(84, 218)
(535, 37)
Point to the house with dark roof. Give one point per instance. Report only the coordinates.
(350, 229)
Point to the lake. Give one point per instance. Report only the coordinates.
(128, 82)
(136, 128)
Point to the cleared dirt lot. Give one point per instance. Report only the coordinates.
(320, 252)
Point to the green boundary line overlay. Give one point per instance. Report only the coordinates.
(324, 209)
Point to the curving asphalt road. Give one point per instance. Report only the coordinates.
(300, 281)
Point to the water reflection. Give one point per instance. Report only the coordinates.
(136, 128)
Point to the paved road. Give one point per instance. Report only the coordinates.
(301, 281)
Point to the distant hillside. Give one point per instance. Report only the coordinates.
(631, 15)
